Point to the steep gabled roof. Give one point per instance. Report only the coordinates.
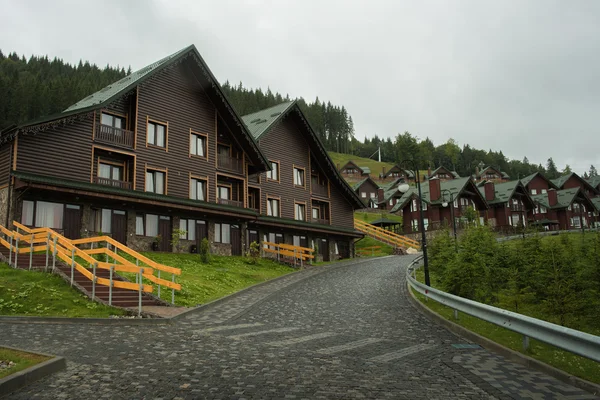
(565, 198)
(261, 121)
(526, 180)
(358, 184)
(293, 108)
(594, 181)
(503, 192)
(489, 167)
(561, 180)
(365, 170)
(396, 167)
(455, 186)
(126, 85)
(441, 168)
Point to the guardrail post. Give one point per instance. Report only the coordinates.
(10, 249)
(173, 289)
(54, 254)
(455, 314)
(140, 292)
(31, 252)
(110, 284)
(159, 284)
(94, 280)
(72, 265)
(525, 342)
(47, 250)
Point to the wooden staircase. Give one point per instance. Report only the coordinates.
(385, 236)
(42, 249)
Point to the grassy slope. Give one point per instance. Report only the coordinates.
(21, 359)
(202, 283)
(573, 364)
(375, 166)
(42, 294)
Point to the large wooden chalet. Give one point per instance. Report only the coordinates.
(163, 150)
(351, 170)
(508, 203)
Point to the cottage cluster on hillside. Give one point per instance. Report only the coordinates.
(162, 152)
(569, 202)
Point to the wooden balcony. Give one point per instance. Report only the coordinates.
(231, 164)
(112, 182)
(228, 202)
(320, 221)
(320, 190)
(114, 136)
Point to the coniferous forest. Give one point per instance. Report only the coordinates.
(39, 86)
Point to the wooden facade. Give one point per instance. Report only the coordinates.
(169, 152)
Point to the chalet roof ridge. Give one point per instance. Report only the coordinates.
(261, 121)
(358, 184)
(503, 191)
(116, 89)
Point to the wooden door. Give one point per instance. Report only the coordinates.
(252, 237)
(164, 230)
(324, 249)
(119, 226)
(201, 232)
(303, 241)
(236, 240)
(72, 221)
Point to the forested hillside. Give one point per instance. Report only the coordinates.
(39, 86)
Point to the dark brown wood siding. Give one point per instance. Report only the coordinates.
(176, 98)
(368, 187)
(64, 152)
(5, 162)
(286, 144)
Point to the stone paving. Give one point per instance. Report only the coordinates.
(339, 332)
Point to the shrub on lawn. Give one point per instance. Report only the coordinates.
(204, 251)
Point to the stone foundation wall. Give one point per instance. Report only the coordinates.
(4, 206)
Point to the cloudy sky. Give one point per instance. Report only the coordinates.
(513, 75)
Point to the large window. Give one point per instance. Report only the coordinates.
(101, 220)
(315, 213)
(273, 174)
(224, 192)
(157, 134)
(272, 207)
(43, 214)
(112, 120)
(198, 189)
(189, 226)
(223, 233)
(299, 176)
(300, 212)
(155, 181)
(147, 225)
(198, 145)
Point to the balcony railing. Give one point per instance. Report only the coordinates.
(516, 208)
(230, 163)
(115, 136)
(228, 202)
(320, 190)
(112, 182)
(320, 221)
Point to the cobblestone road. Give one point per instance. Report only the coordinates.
(346, 332)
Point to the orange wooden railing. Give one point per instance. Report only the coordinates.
(384, 236)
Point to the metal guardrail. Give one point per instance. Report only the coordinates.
(571, 340)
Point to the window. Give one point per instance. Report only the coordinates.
(49, 214)
(151, 225)
(198, 145)
(455, 203)
(533, 191)
(157, 134)
(426, 223)
(110, 171)
(189, 226)
(223, 192)
(391, 202)
(101, 220)
(300, 212)
(424, 205)
(155, 182)
(273, 207)
(223, 233)
(112, 120)
(198, 189)
(544, 191)
(27, 214)
(315, 213)
(415, 225)
(274, 173)
(299, 176)
(139, 225)
(363, 195)
(372, 194)
(543, 210)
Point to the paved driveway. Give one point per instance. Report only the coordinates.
(342, 332)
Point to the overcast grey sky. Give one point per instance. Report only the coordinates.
(512, 75)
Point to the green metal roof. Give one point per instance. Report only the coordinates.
(502, 191)
(565, 198)
(561, 180)
(525, 181)
(92, 187)
(306, 224)
(594, 181)
(127, 83)
(259, 122)
(365, 170)
(454, 186)
(596, 202)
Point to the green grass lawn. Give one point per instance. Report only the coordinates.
(385, 249)
(21, 359)
(578, 366)
(42, 294)
(370, 217)
(202, 283)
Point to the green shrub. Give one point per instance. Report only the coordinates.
(254, 253)
(204, 251)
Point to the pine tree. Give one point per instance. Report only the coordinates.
(593, 171)
(551, 170)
